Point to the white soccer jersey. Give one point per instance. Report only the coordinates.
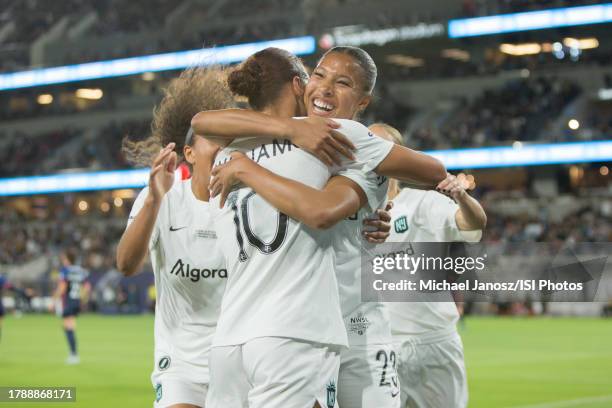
(190, 277)
(424, 216)
(282, 281)
(365, 322)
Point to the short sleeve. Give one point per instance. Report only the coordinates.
(370, 150)
(438, 212)
(374, 186)
(138, 204)
(63, 273)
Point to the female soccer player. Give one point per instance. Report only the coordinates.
(72, 278)
(346, 79)
(280, 329)
(172, 221)
(430, 353)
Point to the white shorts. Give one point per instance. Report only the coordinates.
(432, 375)
(368, 378)
(178, 381)
(171, 391)
(274, 372)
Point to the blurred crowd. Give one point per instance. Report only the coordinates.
(31, 18)
(21, 153)
(590, 222)
(95, 234)
(28, 20)
(68, 149)
(525, 109)
(521, 110)
(24, 239)
(35, 244)
(35, 17)
(116, 16)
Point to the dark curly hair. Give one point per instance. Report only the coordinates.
(195, 90)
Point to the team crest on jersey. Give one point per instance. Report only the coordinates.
(158, 392)
(401, 224)
(359, 324)
(331, 394)
(164, 363)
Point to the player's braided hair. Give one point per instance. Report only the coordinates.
(195, 90)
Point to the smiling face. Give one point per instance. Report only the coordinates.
(335, 88)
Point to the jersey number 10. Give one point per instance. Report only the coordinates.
(241, 215)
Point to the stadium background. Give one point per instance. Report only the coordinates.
(446, 86)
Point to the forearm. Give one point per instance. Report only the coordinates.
(133, 246)
(413, 167)
(315, 208)
(472, 216)
(236, 123)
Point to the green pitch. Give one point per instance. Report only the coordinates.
(535, 363)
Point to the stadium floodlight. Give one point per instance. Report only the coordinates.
(530, 20)
(456, 159)
(150, 63)
(86, 93)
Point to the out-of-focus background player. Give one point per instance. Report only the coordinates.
(72, 287)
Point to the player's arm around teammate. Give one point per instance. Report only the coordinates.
(319, 209)
(342, 91)
(315, 135)
(318, 136)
